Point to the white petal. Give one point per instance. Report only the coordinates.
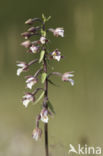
(30, 84)
(35, 136)
(33, 49)
(70, 75)
(26, 102)
(44, 119)
(71, 81)
(21, 65)
(57, 58)
(29, 79)
(19, 71)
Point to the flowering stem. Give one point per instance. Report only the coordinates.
(46, 106)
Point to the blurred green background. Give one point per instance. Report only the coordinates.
(79, 109)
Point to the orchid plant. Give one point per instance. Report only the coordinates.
(40, 50)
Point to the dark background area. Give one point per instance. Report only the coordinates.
(79, 109)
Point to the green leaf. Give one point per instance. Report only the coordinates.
(41, 56)
(51, 107)
(43, 33)
(48, 18)
(43, 77)
(52, 83)
(40, 97)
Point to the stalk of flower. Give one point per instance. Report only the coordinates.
(41, 47)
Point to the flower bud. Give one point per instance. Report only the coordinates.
(26, 35)
(33, 29)
(31, 21)
(26, 44)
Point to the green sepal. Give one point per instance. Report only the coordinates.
(40, 97)
(50, 106)
(43, 77)
(52, 83)
(41, 56)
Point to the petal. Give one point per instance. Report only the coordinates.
(71, 81)
(19, 71)
(57, 58)
(30, 84)
(26, 102)
(44, 119)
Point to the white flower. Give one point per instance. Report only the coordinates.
(44, 115)
(36, 133)
(23, 66)
(34, 49)
(26, 44)
(27, 98)
(56, 55)
(31, 81)
(67, 77)
(43, 40)
(57, 32)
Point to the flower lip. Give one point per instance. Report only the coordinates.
(22, 67)
(27, 98)
(43, 40)
(34, 49)
(57, 32)
(56, 55)
(44, 115)
(31, 81)
(37, 132)
(68, 77)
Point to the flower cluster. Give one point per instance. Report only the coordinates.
(44, 54)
